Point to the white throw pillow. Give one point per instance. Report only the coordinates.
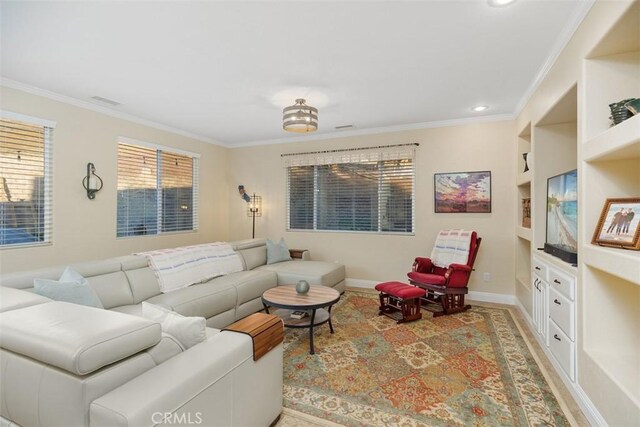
(189, 331)
(71, 287)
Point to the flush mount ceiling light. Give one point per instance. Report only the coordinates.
(300, 117)
(479, 108)
(500, 3)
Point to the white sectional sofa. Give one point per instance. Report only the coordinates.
(63, 364)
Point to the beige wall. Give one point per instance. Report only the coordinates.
(377, 257)
(86, 229)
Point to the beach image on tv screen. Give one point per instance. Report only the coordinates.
(562, 211)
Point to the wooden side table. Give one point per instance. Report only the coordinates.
(317, 302)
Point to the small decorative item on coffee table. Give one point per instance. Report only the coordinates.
(317, 302)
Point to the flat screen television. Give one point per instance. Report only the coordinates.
(562, 216)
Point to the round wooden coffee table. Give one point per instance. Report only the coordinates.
(317, 302)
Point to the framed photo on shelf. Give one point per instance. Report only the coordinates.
(462, 192)
(619, 224)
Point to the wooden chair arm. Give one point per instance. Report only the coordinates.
(302, 254)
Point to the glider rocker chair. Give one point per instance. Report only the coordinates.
(446, 285)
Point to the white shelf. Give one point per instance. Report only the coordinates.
(619, 142)
(621, 263)
(524, 178)
(524, 233)
(622, 369)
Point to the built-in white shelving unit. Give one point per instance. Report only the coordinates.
(611, 169)
(594, 310)
(523, 234)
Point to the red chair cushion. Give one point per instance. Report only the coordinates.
(430, 279)
(400, 290)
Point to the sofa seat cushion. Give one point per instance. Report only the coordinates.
(314, 272)
(205, 299)
(74, 337)
(12, 299)
(249, 284)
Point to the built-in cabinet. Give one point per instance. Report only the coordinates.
(587, 317)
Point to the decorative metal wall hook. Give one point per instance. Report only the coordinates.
(92, 182)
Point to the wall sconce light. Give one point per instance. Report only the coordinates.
(243, 194)
(254, 209)
(92, 182)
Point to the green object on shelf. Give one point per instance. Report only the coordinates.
(633, 106)
(619, 111)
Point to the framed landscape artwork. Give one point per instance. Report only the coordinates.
(619, 224)
(462, 192)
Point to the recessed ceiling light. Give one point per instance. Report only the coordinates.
(479, 108)
(500, 3)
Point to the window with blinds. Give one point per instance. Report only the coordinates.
(365, 196)
(25, 183)
(157, 191)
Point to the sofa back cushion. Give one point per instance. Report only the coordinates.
(254, 257)
(143, 281)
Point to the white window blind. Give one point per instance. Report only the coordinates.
(26, 175)
(157, 191)
(352, 190)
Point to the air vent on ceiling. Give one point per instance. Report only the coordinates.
(344, 127)
(105, 100)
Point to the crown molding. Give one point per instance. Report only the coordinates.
(377, 130)
(13, 84)
(556, 50)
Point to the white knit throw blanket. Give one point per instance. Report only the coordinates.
(178, 268)
(451, 247)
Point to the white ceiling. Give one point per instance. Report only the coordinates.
(225, 70)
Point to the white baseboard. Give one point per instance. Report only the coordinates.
(588, 408)
(473, 295)
(492, 297)
(360, 283)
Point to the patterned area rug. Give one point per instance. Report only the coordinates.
(470, 369)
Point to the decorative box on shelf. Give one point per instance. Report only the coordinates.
(526, 213)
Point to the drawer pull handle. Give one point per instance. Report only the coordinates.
(557, 281)
(537, 268)
(557, 302)
(557, 337)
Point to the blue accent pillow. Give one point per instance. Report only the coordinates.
(277, 252)
(71, 287)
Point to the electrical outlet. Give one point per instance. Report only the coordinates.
(486, 277)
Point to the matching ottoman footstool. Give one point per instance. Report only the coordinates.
(399, 301)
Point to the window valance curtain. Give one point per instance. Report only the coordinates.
(351, 155)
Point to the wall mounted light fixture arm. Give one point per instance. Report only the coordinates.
(92, 182)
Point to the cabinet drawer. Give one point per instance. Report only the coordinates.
(562, 311)
(563, 349)
(563, 283)
(540, 269)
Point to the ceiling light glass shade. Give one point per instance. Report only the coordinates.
(479, 108)
(300, 117)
